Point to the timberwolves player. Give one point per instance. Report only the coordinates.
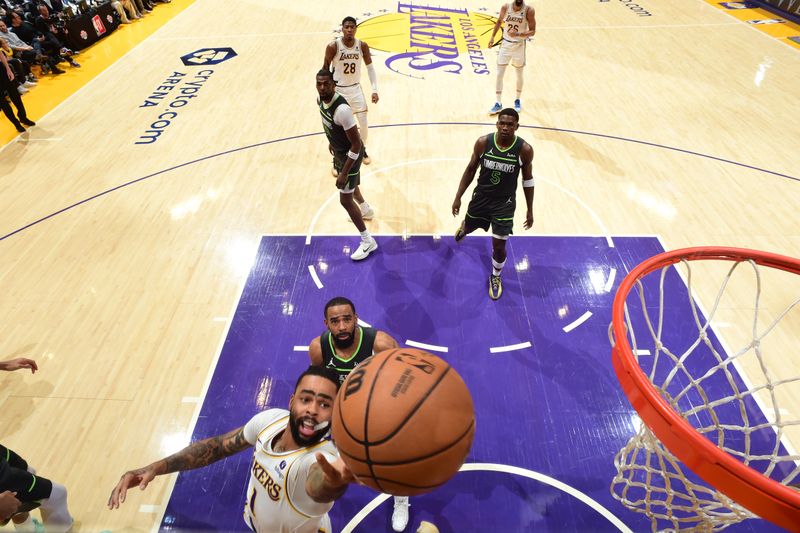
(296, 474)
(520, 24)
(344, 345)
(348, 152)
(501, 156)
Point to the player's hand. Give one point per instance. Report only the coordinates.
(512, 32)
(330, 149)
(336, 474)
(528, 220)
(140, 477)
(375, 98)
(341, 180)
(8, 505)
(19, 362)
(456, 206)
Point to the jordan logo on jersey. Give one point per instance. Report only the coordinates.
(273, 489)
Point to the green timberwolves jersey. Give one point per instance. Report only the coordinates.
(344, 366)
(499, 168)
(335, 133)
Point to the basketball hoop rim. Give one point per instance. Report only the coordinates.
(763, 496)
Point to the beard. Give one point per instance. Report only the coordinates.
(294, 427)
(346, 342)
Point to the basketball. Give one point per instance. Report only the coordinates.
(403, 422)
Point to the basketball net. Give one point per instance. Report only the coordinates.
(743, 402)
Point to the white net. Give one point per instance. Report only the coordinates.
(746, 401)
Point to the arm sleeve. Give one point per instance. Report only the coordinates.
(373, 78)
(296, 483)
(343, 116)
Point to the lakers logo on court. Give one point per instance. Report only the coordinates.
(208, 56)
(423, 39)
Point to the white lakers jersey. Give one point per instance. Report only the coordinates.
(277, 501)
(346, 64)
(515, 19)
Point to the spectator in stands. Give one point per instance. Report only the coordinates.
(24, 52)
(20, 68)
(46, 45)
(47, 24)
(121, 6)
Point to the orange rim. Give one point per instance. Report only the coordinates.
(761, 495)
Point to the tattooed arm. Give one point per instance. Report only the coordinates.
(196, 455)
(326, 481)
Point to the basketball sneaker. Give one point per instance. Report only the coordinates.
(495, 287)
(460, 233)
(364, 249)
(517, 105)
(496, 108)
(367, 213)
(400, 513)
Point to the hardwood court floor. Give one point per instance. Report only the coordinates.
(120, 262)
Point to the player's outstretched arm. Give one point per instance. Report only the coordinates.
(196, 455)
(326, 481)
(526, 155)
(469, 173)
(315, 352)
(18, 363)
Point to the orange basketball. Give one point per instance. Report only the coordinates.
(403, 422)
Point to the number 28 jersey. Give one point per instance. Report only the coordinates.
(347, 64)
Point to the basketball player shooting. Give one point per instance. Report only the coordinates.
(342, 347)
(500, 156)
(295, 465)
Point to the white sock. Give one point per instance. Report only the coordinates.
(401, 500)
(55, 514)
(365, 236)
(520, 81)
(497, 267)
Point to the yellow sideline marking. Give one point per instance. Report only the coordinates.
(782, 31)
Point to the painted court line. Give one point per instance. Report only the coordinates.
(610, 281)
(300, 348)
(314, 276)
(363, 324)
(507, 469)
(424, 346)
(643, 352)
(581, 319)
(511, 347)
